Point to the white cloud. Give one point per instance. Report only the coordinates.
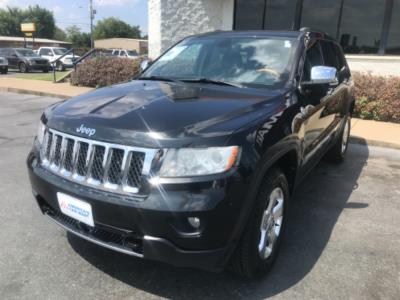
(4, 3)
(114, 2)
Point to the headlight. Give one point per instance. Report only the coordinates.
(40, 133)
(187, 162)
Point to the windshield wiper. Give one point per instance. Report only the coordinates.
(158, 78)
(212, 81)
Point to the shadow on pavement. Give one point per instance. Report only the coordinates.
(314, 212)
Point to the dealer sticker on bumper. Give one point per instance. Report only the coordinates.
(75, 208)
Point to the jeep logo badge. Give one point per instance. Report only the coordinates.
(86, 130)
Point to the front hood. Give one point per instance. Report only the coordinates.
(148, 112)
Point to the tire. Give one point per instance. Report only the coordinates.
(60, 67)
(4, 71)
(23, 68)
(46, 70)
(250, 259)
(338, 151)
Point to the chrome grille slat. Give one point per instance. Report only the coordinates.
(102, 165)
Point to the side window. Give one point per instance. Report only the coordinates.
(340, 56)
(313, 58)
(330, 55)
(44, 51)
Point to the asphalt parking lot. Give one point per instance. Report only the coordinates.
(343, 238)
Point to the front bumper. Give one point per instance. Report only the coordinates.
(39, 67)
(154, 227)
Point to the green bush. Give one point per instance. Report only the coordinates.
(377, 97)
(103, 71)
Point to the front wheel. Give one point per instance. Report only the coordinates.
(4, 71)
(60, 67)
(23, 68)
(259, 245)
(338, 151)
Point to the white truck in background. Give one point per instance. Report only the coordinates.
(53, 53)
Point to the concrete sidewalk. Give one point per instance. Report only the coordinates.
(375, 133)
(41, 87)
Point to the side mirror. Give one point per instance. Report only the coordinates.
(323, 75)
(144, 64)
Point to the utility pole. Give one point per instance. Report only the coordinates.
(92, 13)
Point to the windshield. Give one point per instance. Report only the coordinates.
(59, 51)
(247, 61)
(26, 52)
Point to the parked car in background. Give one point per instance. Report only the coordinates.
(124, 53)
(25, 60)
(54, 53)
(3, 65)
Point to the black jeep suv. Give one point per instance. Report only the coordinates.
(194, 162)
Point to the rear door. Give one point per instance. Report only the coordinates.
(12, 57)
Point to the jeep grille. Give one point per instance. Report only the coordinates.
(106, 166)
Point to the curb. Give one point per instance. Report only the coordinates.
(367, 142)
(30, 92)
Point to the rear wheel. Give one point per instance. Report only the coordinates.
(4, 71)
(46, 70)
(338, 151)
(23, 68)
(259, 245)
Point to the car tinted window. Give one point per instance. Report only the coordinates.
(330, 55)
(313, 58)
(45, 51)
(340, 57)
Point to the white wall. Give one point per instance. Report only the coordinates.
(172, 20)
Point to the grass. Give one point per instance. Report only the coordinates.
(41, 76)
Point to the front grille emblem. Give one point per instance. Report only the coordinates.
(86, 130)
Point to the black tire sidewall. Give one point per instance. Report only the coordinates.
(258, 266)
(23, 68)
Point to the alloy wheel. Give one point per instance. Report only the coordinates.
(271, 223)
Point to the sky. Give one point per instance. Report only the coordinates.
(76, 12)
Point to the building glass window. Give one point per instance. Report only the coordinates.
(321, 15)
(361, 26)
(357, 24)
(393, 45)
(249, 14)
(280, 14)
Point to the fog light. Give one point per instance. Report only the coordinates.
(194, 221)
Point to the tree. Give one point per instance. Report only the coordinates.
(12, 17)
(76, 37)
(44, 20)
(114, 28)
(59, 34)
(10, 21)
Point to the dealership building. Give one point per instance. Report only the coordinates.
(368, 30)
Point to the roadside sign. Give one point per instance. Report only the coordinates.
(28, 27)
